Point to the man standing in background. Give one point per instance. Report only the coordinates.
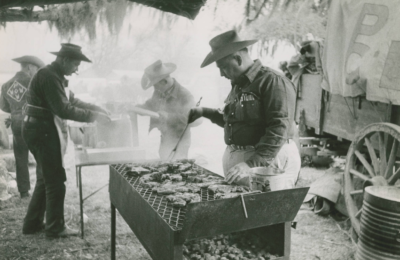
(49, 105)
(172, 102)
(12, 99)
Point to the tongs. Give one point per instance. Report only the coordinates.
(172, 154)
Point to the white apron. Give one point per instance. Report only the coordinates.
(62, 130)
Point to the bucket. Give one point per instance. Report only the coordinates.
(379, 237)
(270, 179)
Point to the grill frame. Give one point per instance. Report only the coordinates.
(203, 219)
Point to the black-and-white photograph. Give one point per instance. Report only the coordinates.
(200, 129)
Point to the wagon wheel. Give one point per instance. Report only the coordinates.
(370, 161)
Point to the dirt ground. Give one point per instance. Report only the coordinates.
(316, 237)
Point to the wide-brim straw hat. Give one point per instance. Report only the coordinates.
(223, 45)
(30, 60)
(72, 51)
(156, 72)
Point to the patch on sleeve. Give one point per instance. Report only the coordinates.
(17, 91)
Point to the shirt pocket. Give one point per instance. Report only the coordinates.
(251, 106)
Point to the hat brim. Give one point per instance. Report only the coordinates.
(75, 56)
(30, 60)
(225, 51)
(149, 80)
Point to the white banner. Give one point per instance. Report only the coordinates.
(362, 50)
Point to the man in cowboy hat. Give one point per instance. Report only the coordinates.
(258, 117)
(12, 99)
(172, 102)
(49, 105)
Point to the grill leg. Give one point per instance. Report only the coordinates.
(77, 180)
(113, 231)
(81, 199)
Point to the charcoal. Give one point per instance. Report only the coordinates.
(244, 245)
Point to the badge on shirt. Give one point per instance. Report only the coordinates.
(17, 91)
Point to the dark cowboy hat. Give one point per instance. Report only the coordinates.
(71, 51)
(223, 45)
(30, 60)
(156, 72)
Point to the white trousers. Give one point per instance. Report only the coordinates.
(288, 159)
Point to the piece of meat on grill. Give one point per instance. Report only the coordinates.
(137, 171)
(145, 178)
(150, 184)
(163, 169)
(184, 167)
(187, 197)
(218, 188)
(179, 203)
(193, 188)
(182, 189)
(176, 177)
(164, 191)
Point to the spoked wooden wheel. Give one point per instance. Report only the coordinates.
(371, 160)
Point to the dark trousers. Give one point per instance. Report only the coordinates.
(21, 157)
(48, 196)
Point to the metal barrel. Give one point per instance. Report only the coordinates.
(379, 237)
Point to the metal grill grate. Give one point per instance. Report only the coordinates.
(173, 216)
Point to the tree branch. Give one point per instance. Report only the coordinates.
(259, 10)
(25, 15)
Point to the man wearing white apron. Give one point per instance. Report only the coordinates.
(258, 117)
(49, 105)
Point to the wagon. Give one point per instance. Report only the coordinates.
(356, 99)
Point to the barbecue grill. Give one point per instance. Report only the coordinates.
(162, 229)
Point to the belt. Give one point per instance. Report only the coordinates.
(37, 112)
(32, 119)
(241, 147)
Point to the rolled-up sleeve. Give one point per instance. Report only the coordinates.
(274, 99)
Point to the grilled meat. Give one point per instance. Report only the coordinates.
(137, 171)
(217, 188)
(150, 184)
(176, 177)
(184, 167)
(182, 189)
(179, 203)
(164, 191)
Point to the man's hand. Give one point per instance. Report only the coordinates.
(7, 122)
(194, 114)
(237, 172)
(102, 118)
(163, 116)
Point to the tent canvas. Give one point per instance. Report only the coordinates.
(362, 50)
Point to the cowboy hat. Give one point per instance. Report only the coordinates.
(71, 51)
(156, 72)
(30, 60)
(223, 45)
